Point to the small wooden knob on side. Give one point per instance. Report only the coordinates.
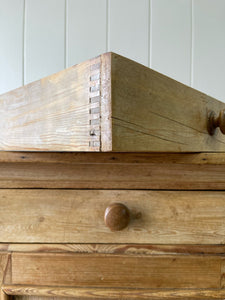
(214, 122)
(117, 216)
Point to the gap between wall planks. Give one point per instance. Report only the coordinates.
(186, 171)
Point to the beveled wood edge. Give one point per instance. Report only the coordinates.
(112, 158)
(110, 293)
(4, 295)
(106, 106)
(121, 249)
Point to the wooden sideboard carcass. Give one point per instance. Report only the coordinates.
(112, 186)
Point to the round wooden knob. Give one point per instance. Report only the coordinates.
(214, 122)
(117, 216)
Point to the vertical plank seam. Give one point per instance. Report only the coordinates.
(107, 25)
(192, 44)
(66, 35)
(150, 34)
(23, 43)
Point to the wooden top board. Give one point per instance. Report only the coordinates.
(108, 103)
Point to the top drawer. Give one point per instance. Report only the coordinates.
(110, 103)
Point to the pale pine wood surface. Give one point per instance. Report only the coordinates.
(223, 273)
(171, 277)
(3, 295)
(116, 271)
(103, 293)
(3, 264)
(53, 113)
(77, 216)
(190, 171)
(112, 248)
(106, 100)
(108, 104)
(151, 112)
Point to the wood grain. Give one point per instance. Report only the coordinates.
(223, 273)
(189, 171)
(109, 103)
(53, 113)
(122, 249)
(116, 271)
(3, 264)
(106, 107)
(151, 112)
(3, 295)
(77, 216)
(113, 158)
(38, 293)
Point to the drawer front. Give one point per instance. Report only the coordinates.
(121, 271)
(106, 276)
(77, 216)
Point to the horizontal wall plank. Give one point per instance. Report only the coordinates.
(113, 293)
(193, 171)
(77, 216)
(116, 271)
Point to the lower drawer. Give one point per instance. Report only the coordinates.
(77, 216)
(117, 271)
(107, 276)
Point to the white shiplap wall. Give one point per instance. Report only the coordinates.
(184, 39)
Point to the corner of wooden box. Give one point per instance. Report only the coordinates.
(106, 103)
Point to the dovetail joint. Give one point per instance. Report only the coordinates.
(94, 107)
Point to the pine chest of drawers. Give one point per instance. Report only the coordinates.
(112, 186)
